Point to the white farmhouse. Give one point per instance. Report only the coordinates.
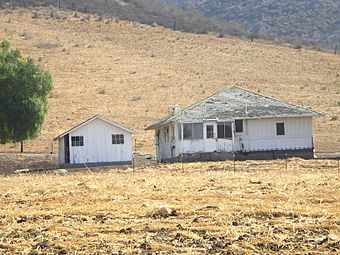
(235, 123)
(95, 141)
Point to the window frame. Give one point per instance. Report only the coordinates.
(77, 141)
(117, 139)
(280, 129)
(237, 130)
(189, 131)
(224, 124)
(197, 131)
(209, 133)
(187, 136)
(166, 134)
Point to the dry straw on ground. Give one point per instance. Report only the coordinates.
(207, 208)
(101, 67)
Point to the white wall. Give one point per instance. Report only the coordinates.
(260, 134)
(191, 146)
(98, 147)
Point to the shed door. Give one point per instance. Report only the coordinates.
(67, 148)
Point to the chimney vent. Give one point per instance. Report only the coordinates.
(175, 110)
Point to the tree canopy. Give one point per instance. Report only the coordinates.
(24, 88)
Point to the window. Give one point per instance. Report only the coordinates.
(179, 128)
(172, 133)
(118, 139)
(224, 131)
(187, 131)
(280, 128)
(210, 131)
(193, 131)
(198, 131)
(239, 126)
(166, 134)
(77, 141)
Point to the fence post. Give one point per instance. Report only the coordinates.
(234, 162)
(338, 165)
(133, 156)
(286, 156)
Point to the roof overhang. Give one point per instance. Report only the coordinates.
(159, 124)
(88, 121)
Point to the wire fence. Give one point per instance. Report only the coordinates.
(287, 164)
(12, 162)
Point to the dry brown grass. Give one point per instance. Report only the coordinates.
(99, 67)
(207, 208)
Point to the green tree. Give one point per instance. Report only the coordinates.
(24, 88)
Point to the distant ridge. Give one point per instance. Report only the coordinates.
(308, 22)
(152, 12)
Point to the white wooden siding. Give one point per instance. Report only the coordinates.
(260, 135)
(98, 147)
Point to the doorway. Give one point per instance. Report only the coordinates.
(67, 148)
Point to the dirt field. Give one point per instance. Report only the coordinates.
(10, 162)
(205, 208)
(132, 73)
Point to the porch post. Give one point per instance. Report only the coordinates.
(233, 135)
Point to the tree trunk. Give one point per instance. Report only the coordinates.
(21, 146)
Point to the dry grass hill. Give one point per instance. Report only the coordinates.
(132, 73)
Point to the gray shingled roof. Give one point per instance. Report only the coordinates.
(236, 103)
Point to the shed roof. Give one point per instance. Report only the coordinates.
(236, 103)
(88, 121)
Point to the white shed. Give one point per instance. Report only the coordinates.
(235, 123)
(95, 141)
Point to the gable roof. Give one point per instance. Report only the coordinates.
(88, 121)
(236, 103)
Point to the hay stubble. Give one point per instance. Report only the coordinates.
(205, 208)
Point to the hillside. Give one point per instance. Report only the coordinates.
(142, 11)
(315, 22)
(132, 73)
